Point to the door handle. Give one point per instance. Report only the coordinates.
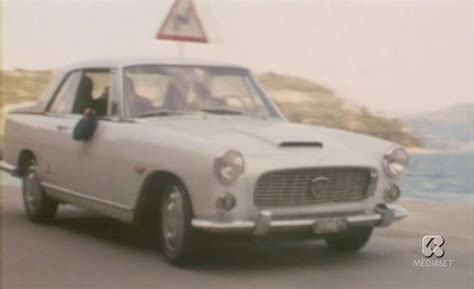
(62, 128)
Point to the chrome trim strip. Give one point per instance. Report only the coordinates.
(85, 197)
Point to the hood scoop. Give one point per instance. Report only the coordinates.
(301, 144)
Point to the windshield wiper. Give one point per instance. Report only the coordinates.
(221, 111)
(161, 112)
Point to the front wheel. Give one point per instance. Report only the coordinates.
(178, 237)
(350, 241)
(39, 207)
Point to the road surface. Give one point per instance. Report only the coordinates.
(84, 250)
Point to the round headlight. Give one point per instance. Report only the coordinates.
(228, 166)
(395, 162)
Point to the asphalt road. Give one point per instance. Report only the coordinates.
(84, 250)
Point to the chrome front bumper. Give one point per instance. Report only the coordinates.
(381, 217)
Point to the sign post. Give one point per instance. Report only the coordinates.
(182, 24)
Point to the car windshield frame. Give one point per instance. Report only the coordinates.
(272, 110)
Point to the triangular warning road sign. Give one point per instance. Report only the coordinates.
(182, 24)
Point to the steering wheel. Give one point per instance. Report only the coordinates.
(236, 97)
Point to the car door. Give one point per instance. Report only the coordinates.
(82, 168)
(96, 158)
(54, 134)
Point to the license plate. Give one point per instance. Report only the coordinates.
(327, 226)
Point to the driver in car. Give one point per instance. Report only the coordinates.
(204, 99)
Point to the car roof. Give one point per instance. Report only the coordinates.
(125, 61)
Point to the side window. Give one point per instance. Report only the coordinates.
(65, 95)
(93, 92)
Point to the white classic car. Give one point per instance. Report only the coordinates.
(188, 147)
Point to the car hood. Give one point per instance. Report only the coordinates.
(259, 137)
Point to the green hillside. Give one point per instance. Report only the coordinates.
(19, 86)
(22, 85)
(300, 100)
(304, 101)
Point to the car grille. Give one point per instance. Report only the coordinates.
(293, 187)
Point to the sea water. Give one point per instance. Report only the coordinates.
(441, 176)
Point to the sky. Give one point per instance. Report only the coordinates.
(391, 56)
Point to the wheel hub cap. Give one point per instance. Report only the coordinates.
(173, 218)
(32, 189)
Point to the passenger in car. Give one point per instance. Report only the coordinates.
(139, 103)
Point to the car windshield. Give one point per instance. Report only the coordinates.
(153, 90)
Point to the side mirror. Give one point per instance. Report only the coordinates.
(85, 128)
